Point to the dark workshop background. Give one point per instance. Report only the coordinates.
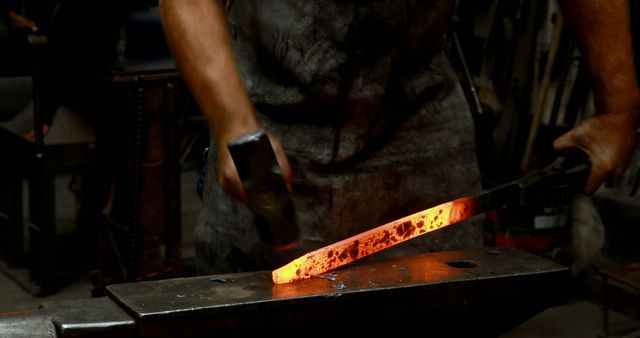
(110, 192)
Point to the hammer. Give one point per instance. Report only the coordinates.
(267, 194)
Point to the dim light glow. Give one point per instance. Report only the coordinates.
(364, 244)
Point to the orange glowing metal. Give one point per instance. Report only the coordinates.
(374, 240)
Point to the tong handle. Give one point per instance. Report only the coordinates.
(557, 182)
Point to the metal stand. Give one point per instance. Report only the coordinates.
(627, 275)
(30, 256)
(140, 234)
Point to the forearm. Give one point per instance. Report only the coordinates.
(603, 30)
(604, 33)
(197, 34)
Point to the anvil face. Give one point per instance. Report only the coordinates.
(479, 292)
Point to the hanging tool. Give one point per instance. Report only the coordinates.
(542, 96)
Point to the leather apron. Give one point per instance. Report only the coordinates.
(371, 115)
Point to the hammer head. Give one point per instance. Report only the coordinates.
(266, 190)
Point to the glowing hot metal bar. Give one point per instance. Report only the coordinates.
(374, 240)
(555, 182)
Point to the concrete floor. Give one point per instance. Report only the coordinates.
(579, 318)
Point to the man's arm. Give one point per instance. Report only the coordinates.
(603, 30)
(196, 31)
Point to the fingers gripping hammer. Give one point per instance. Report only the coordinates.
(267, 194)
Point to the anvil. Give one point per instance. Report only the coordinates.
(481, 292)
